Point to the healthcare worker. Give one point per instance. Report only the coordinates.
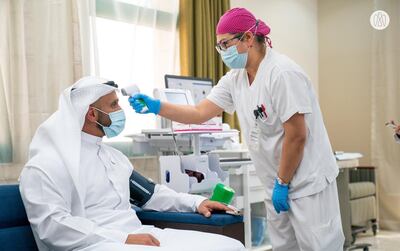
(76, 189)
(283, 127)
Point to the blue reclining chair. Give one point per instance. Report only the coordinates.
(16, 233)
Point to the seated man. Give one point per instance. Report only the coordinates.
(76, 189)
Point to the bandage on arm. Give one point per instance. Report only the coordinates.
(141, 189)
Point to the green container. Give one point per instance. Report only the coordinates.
(223, 194)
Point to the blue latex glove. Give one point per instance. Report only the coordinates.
(280, 197)
(153, 105)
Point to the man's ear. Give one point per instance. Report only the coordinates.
(91, 115)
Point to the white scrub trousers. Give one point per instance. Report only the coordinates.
(175, 240)
(312, 223)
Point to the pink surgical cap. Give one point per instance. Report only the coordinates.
(239, 20)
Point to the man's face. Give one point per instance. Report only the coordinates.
(108, 103)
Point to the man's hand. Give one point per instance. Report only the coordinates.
(142, 239)
(207, 206)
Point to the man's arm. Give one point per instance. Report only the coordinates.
(146, 194)
(293, 146)
(166, 199)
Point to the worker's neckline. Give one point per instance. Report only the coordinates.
(265, 60)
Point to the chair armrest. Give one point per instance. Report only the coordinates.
(219, 219)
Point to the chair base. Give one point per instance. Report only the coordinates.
(362, 229)
(363, 246)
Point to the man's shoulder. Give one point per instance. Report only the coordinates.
(116, 153)
(51, 163)
(51, 172)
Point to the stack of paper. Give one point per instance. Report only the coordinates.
(347, 156)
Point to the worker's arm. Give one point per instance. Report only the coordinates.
(292, 153)
(293, 146)
(186, 114)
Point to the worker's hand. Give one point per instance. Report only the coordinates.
(207, 206)
(140, 101)
(142, 239)
(280, 197)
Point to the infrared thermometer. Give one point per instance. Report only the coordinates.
(131, 91)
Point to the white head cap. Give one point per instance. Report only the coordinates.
(57, 141)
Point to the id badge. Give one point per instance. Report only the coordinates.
(255, 137)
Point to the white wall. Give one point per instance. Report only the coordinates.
(345, 59)
(294, 29)
(331, 40)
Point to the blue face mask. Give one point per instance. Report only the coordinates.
(233, 59)
(117, 123)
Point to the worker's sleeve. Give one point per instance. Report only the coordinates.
(290, 93)
(51, 218)
(166, 199)
(397, 138)
(221, 94)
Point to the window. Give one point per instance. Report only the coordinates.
(136, 43)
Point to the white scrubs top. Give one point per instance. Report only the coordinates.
(283, 88)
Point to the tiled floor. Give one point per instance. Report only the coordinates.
(383, 241)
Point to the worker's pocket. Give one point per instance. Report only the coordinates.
(328, 236)
(269, 126)
(272, 215)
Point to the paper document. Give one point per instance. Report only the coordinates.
(348, 156)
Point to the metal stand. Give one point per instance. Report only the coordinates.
(196, 144)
